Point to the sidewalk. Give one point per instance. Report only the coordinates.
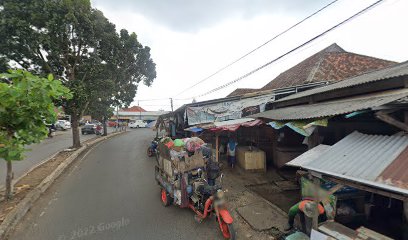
(255, 217)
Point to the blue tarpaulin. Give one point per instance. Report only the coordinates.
(194, 129)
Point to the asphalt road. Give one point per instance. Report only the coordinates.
(38, 152)
(111, 194)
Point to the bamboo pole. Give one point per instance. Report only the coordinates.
(315, 219)
(216, 146)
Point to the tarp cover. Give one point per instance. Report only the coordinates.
(303, 127)
(227, 110)
(194, 129)
(234, 127)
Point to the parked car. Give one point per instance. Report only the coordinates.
(138, 124)
(62, 125)
(88, 129)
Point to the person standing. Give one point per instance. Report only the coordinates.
(231, 149)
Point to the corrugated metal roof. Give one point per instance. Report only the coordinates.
(362, 158)
(308, 156)
(397, 172)
(386, 73)
(333, 108)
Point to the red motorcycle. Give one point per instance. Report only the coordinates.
(200, 197)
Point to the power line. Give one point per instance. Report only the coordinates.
(289, 52)
(154, 99)
(155, 105)
(257, 48)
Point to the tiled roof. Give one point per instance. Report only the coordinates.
(241, 91)
(394, 71)
(133, 109)
(331, 64)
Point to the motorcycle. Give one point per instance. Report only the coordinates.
(204, 200)
(152, 149)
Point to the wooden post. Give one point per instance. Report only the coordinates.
(314, 139)
(406, 117)
(274, 146)
(385, 117)
(216, 146)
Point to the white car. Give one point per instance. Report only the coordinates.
(62, 125)
(138, 124)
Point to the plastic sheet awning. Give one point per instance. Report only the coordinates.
(194, 129)
(232, 127)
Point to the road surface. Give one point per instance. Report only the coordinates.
(111, 194)
(38, 152)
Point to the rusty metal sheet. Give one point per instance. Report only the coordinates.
(397, 172)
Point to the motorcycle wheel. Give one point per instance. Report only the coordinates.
(227, 230)
(157, 157)
(165, 198)
(149, 152)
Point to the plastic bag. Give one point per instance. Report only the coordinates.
(178, 143)
(193, 144)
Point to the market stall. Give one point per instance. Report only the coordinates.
(371, 170)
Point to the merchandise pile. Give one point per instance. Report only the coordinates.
(185, 162)
(185, 154)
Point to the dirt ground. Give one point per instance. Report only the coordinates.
(30, 181)
(248, 187)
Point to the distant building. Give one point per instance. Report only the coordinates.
(133, 109)
(136, 112)
(331, 64)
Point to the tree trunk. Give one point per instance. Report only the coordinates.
(9, 179)
(105, 127)
(76, 141)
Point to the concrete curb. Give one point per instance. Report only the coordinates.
(14, 216)
(3, 188)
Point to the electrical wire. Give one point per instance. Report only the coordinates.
(154, 99)
(289, 52)
(257, 48)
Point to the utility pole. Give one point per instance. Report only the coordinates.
(140, 111)
(171, 104)
(117, 118)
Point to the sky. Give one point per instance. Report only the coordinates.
(191, 39)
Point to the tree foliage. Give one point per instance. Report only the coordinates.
(26, 104)
(76, 43)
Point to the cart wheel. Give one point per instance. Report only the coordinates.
(149, 152)
(227, 230)
(165, 197)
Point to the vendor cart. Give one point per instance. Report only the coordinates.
(191, 180)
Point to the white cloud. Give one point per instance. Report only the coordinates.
(184, 58)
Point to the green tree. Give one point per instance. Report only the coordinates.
(26, 105)
(118, 78)
(76, 43)
(102, 111)
(3, 65)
